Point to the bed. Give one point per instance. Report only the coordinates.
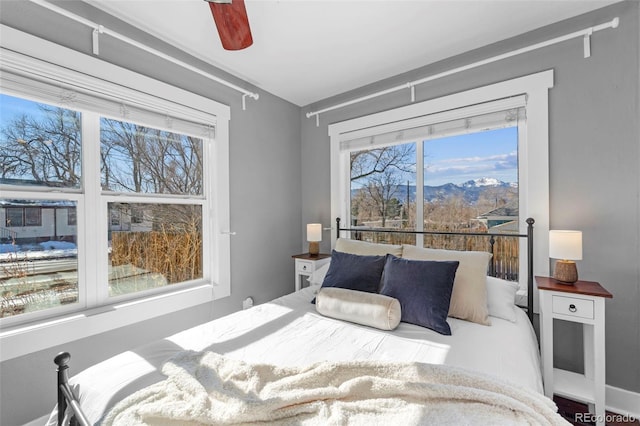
(290, 362)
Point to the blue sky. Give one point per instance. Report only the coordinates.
(458, 159)
(11, 107)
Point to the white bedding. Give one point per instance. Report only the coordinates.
(289, 332)
(206, 388)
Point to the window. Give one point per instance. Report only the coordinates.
(468, 177)
(32, 216)
(149, 245)
(72, 218)
(112, 195)
(14, 217)
(137, 215)
(152, 245)
(476, 161)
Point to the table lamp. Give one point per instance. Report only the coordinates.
(314, 236)
(565, 246)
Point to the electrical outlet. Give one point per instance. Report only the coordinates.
(247, 303)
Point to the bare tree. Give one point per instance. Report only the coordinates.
(382, 188)
(374, 161)
(380, 172)
(140, 159)
(45, 148)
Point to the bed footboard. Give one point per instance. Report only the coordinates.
(66, 398)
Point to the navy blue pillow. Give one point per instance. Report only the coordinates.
(423, 288)
(354, 272)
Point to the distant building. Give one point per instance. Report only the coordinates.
(32, 221)
(502, 219)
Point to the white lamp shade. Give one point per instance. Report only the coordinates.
(314, 232)
(565, 245)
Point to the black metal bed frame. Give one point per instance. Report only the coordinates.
(66, 397)
(492, 240)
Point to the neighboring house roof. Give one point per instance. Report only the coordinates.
(507, 211)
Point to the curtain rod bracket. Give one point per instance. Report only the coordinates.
(317, 114)
(96, 39)
(587, 43)
(251, 95)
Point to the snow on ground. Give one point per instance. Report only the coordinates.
(57, 245)
(43, 250)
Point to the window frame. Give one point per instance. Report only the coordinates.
(28, 58)
(38, 214)
(72, 218)
(533, 148)
(404, 133)
(8, 221)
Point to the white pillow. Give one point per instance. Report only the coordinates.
(317, 276)
(371, 309)
(364, 248)
(521, 297)
(501, 296)
(469, 295)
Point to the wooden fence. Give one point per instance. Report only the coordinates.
(506, 248)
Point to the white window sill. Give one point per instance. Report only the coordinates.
(25, 339)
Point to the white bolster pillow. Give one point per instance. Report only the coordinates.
(371, 309)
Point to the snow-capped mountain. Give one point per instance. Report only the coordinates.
(484, 181)
(470, 190)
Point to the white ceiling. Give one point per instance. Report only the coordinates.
(308, 50)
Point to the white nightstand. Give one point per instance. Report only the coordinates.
(307, 264)
(582, 302)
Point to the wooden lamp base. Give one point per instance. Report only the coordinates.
(314, 248)
(566, 272)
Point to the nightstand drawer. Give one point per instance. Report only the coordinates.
(304, 267)
(572, 306)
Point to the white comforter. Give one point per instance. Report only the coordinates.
(209, 389)
(289, 333)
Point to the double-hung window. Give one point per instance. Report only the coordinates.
(474, 162)
(110, 196)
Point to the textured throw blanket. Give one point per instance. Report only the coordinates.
(207, 388)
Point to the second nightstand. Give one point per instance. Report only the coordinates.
(582, 302)
(307, 264)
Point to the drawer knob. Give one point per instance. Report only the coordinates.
(572, 308)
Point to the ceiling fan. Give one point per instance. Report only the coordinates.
(232, 23)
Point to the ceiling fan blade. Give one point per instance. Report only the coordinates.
(232, 23)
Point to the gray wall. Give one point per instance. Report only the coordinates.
(265, 204)
(594, 160)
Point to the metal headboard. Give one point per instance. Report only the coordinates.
(492, 240)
